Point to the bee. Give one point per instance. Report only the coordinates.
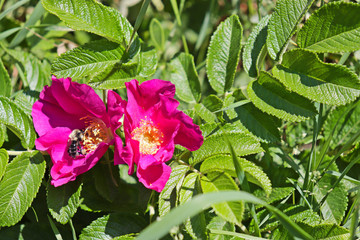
(75, 138)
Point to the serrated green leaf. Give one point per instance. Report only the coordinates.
(216, 143)
(184, 76)
(296, 213)
(270, 96)
(25, 99)
(259, 124)
(277, 194)
(4, 158)
(91, 16)
(322, 231)
(196, 226)
(157, 34)
(18, 122)
(334, 207)
(2, 134)
(223, 54)
(254, 47)
(89, 60)
(36, 72)
(111, 226)
(205, 113)
(19, 186)
(140, 67)
(302, 71)
(220, 181)
(283, 23)
(177, 175)
(5, 83)
(202, 201)
(63, 201)
(225, 163)
(347, 124)
(335, 27)
(219, 223)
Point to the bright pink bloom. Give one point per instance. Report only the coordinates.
(64, 107)
(152, 127)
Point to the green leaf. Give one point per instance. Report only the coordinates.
(159, 228)
(3, 134)
(347, 124)
(92, 16)
(19, 186)
(184, 76)
(219, 223)
(335, 27)
(4, 158)
(225, 163)
(196, 226)
(176, 176)
(89, 60)
(323, 231)
(17, 121)
(277, 194)
(261, 125)
(63, 201)
(216, 143)
(205, 113)
(223, 54)
(302, 72)
(141, 66)
(270, 96)
(106, 183)
(283, 23)
(296, 213)
(36, 73)
(5, 83)
(220, 181)
(157, 34)
(334, 207)
(111, 226)
(25, 99)
(255, 46)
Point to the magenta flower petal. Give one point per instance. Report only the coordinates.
(65, 107)
(153, 174)
(152, 126)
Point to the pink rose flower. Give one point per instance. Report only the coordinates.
(75, 127)
(152, 126)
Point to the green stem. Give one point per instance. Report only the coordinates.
(72, 230)
(179, 23)
(258, 9)
(16, 153)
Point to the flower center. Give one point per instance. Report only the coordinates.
(149, 136)
(94, 134)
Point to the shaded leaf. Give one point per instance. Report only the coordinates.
(17, 121)
(277, 194)
(157, 34)
(335, 27)
(220, 224)
(111, 226)
(3, 134)
(5, 83)
(196, 226)
(223, 54)
(184, 76)
(302, 72)
(225, 163)
(177, 175)
(63, 201)
(255, 46)
(205, 113)
(220, 181)
(270, 96)
(19, 186)
(283, 23)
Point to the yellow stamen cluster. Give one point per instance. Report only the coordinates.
(149, 136)
(94, 134)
